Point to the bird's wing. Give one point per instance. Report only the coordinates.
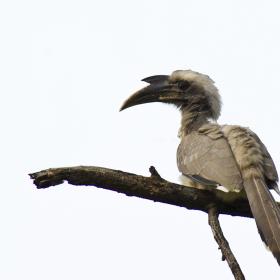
(235, 157)
(206, 154)
(270, 171)
(252, 158)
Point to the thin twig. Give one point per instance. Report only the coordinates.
(227, 254)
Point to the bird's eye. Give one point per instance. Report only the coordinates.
(183, 85)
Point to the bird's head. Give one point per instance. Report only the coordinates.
(183, 88)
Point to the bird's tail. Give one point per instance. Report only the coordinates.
(266, 213)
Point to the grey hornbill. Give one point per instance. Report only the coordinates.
(212, 155)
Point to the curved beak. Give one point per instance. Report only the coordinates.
(159, 90)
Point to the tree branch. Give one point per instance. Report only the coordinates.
(223, 244)
(154, 188)
(157, 189)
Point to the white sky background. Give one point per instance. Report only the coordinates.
(65, 68)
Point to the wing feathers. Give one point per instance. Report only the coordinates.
(235, 158)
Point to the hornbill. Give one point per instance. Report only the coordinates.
(212, 155)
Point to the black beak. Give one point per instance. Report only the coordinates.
(159, 90)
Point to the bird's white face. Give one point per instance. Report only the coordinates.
(205, 85)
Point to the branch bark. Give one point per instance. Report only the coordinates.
(153, 188)
(157, 189)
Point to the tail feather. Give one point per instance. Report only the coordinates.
(266, 213)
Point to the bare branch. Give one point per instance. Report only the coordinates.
(223, 244)
(154, 188)
(213, 202)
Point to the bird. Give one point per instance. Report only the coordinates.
(211, 155)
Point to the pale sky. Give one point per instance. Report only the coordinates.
(65, 68)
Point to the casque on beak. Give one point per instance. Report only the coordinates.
(159, 90)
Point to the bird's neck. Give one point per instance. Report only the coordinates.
(192, 119)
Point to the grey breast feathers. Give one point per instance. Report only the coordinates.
(207, 154)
